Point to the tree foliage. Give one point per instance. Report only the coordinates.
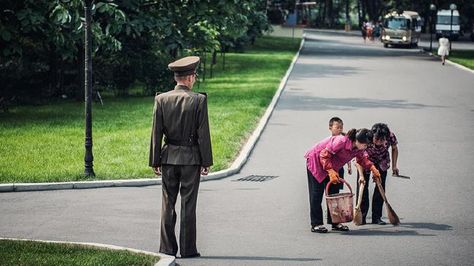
(41, 44)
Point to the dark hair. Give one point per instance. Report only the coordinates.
(380, 131)
(335, 119)
(362, 135)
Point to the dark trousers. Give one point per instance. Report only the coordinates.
(377, 201)
(316, 192)
(185, 179)
(341, 175)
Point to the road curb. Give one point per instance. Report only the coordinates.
(233, 169)
(165, 260)
(23, 187)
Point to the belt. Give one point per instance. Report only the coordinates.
(179, 142)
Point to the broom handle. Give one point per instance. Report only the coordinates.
(382, 192)
(359, 198)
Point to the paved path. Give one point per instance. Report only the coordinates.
(267, 223)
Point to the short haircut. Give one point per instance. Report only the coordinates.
(181, 78)
(380, 131)
(335, 119)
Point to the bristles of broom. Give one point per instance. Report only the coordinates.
(357, 211)
(392, 216)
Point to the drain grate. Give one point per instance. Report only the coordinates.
(257, 178)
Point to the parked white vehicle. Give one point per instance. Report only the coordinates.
(443, 24)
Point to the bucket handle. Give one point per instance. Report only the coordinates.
(340, 180)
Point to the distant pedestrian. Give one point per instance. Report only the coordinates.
(364, 30)
(322, 161)
(336, 126)
(180, 116)
(378, 152)
(443, 48)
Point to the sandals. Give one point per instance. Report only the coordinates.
(319, 229)
(340, 227)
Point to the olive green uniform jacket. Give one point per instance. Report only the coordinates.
(177, 117)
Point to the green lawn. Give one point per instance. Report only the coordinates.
(46, 143)
(14, 252)
(463, 57)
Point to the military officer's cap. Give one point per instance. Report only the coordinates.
(184, 66)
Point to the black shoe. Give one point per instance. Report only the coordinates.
(379, 222)
(319, 229)
(195, 255)
(340, 227)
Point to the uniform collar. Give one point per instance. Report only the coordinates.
(182, 87)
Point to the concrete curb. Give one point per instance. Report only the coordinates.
(164, 259)
(447, 61)
(22, 187)
(233, 169)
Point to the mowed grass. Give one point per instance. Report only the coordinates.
(46, 143)
(463, 57)
(13, 252)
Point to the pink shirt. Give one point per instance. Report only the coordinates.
(339, 149)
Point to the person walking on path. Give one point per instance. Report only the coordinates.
(443, 49)
(322, 160)
(181, 117)
(378, 153)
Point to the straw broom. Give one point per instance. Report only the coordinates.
(392, 216)
(357, 211)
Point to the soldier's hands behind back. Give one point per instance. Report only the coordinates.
(204, 170)
(157, 170)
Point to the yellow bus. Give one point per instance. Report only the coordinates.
(401, 29)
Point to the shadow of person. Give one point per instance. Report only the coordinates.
(430, 226)
(385, 231)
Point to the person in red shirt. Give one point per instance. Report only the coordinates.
(322, 162)
(378, 153)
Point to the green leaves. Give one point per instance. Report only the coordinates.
(48, 36)
(60, 15)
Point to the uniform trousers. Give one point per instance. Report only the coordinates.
(377, 200)
(316, 192)
(185, 180)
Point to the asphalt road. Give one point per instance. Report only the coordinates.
(427, 105)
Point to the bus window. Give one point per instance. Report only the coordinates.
(396, 23)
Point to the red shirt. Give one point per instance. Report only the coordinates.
(332, 153)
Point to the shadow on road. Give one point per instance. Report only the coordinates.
(258, 258)
(320, 71)
(430, 226)
(340, 49)
(379, 232)
(298, 102)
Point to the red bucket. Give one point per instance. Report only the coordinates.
(340, 205)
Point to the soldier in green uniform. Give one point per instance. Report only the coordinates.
(180, 120)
